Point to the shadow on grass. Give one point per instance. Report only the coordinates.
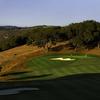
(75, 87)
(14, 73)
(30, 77)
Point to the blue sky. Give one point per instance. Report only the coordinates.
(47, 12)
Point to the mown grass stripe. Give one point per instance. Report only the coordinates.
(82, 64)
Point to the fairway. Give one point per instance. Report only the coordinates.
(78, 79)
(43, 66)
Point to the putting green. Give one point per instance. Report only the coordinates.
(42, 65)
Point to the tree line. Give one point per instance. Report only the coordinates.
(85, 35)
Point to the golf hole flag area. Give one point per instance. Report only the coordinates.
(59, 65)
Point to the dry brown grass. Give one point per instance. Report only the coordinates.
(13, 59)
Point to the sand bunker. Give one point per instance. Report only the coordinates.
(63, 59)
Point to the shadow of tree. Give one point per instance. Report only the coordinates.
(78, 87)
(30, 77)
(14, 73)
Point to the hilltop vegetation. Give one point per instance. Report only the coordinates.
(85, 34)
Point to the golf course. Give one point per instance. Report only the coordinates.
(55, 77)
(53, 66)
(50, 79)
(50, 62)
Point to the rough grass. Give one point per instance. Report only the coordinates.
(12, 60)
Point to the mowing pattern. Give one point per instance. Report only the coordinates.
(42, 65)
(69, 87)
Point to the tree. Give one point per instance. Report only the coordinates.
(77, 43)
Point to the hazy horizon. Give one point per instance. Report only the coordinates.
(47, 12)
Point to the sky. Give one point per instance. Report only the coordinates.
(47, 12)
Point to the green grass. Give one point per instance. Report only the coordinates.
(42, 65)
(43, 68)
(58, 80)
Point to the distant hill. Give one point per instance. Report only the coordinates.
(9, 27)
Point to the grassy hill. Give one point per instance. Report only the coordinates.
(31, 67)
(12, 60)
(28, 62)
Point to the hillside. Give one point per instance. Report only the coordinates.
(18, 44)
(13, 60)
(85, 34)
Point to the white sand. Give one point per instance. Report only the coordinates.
(62, 59)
